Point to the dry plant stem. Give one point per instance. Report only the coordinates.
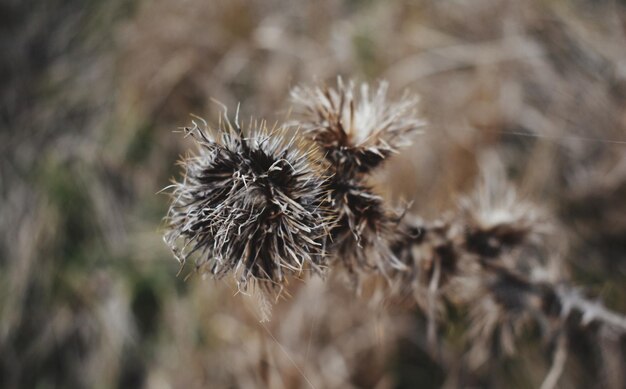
(571, 300)
(558, 301)
(483, 251)
(612, 359)
(432, 304)
(558, 363)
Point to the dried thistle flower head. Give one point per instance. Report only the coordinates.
(496, 217)
(358, 130)
(364, 228)
(253, 206)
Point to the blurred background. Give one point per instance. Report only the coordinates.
(91, 92)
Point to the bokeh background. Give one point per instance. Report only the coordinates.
(90, 96)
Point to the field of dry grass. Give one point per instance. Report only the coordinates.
(526, 137)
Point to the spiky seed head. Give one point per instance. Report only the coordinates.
(497, 218)
(361, 237)
(357, 129)
(254, 206)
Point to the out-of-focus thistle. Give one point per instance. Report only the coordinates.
(483, 255)
(358, 131)
(493, 258)
(254, 206)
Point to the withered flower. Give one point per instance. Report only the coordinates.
(360, 238)
(358, 130)
(253, 206)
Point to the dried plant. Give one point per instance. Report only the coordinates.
(357, 131)
(262, 205)
(251, 205)
(489, 301)
(493, 258)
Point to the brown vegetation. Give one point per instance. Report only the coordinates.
(512, 239)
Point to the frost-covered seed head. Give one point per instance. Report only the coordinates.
(253, 206)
